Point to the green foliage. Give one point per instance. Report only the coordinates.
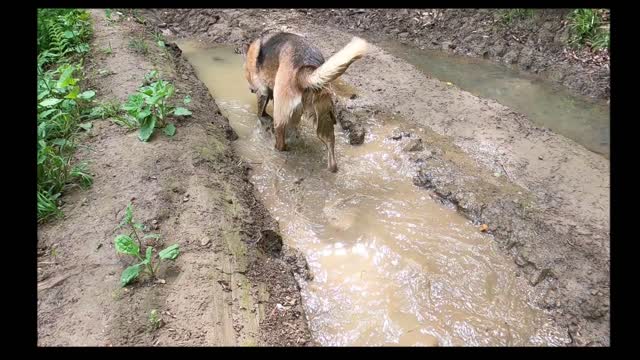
(62, 105)
(125, 244)
(588, 28)
(149, 107)
(62, 33)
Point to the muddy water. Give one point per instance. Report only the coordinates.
(391, 266)
(584, 121)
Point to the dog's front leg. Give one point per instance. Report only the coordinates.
(265, 119)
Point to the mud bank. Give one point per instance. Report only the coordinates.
(544, 197)
(233, 283)
(484, 33)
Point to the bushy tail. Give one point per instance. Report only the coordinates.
(336, 65)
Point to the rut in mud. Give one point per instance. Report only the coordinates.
(391, 266)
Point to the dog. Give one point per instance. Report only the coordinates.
(287, 69)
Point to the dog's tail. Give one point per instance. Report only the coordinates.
(336, 65)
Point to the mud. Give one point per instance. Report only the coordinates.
(544, 197)
(231, 285)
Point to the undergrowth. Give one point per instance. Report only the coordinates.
(63, 107)
(589, 27)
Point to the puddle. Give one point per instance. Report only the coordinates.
(391, 266)
(587, 122)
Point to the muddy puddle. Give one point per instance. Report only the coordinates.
(585, 121)
(391, 265)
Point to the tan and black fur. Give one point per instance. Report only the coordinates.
(286, 68)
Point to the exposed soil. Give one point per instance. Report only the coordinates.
(233, 283)
(545, 198)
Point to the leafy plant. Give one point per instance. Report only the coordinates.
(62, 105)
(149, 107)
(588, 28)
(126, 245)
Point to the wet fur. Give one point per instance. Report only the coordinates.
(288, 69)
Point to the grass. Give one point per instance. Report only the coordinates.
(509, 15)
(64, 107)
(139, 45)
(588, 28)
(108, 50)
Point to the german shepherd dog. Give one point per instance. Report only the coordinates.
(286, 68)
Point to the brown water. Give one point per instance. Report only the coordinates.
(587, 122)
(391, 266)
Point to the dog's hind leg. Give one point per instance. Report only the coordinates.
(287, 102)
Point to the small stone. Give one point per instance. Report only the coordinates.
(540, 157)
(537, 277)
(413, 145)
(205, 241)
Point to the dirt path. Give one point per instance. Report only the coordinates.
(191, 189)
(544, 197)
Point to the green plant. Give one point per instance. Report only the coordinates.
(126, 245)
(62, 105)
(508, 15)
(109, 50)
(62, 33)
(588, 28)
(155, 322)
(149, 107)
(139, 45)
(159, 39)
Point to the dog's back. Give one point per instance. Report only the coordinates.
(288, 49)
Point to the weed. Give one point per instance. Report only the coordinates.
(509, 15)
(589, 29)
(139, 45)
(109, 50)
(126, 245)
(149, 107)
(155, 322)
(159, 39)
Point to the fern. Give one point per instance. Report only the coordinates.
(62, 33)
